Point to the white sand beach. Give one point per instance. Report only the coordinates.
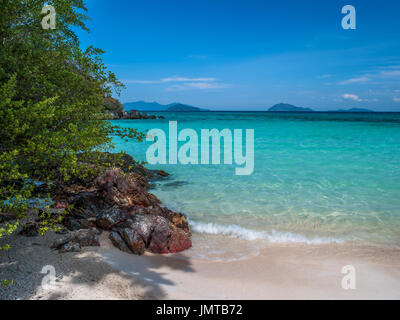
(277, 272)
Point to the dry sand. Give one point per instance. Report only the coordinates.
(277, 272)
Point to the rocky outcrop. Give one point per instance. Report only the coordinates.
(150, 232)
(74, 241)
(119, 202)
(133, 115)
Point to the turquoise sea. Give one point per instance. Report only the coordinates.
(318, 178)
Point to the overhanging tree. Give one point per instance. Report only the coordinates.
(51, 100)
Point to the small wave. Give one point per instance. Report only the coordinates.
(273, 236)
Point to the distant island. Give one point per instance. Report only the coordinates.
(115, 107)
(353, 110)
(155, 106)
(284, 107)
(184, 108)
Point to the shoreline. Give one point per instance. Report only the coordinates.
(279, 271)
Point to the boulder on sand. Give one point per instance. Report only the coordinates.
(120, 203)
(74, 241)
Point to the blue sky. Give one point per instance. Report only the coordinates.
(250, 55)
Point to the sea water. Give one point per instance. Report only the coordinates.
(318, 178)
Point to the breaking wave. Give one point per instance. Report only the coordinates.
(273, 236)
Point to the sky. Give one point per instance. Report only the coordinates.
(250, 55)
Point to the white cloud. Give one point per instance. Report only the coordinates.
(355, 80)
(182, 79)
(197, 85)
(206, 85)
(351, 97)
(390, 74)
(377, 75)
(396, 99)
(324, 76)
(184, 83)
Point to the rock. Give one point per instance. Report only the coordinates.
(87, 237)
(123, 161)
(109, 217)
(136, 232)
(77, 239)
(70, 247)
(153, 233)
(30, 229)
(123, 190)
(86, 208)
(177, 219)
(167, 238)
(73, 224)
(59, 243)
(118, 242)
(134, 115)
(160, 237)
(161, 173)
(179, 241)
(85, 204)
(118, 201)
(132, 239)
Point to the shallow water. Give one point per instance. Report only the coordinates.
(318, 178)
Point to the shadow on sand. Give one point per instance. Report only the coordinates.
(102, 273)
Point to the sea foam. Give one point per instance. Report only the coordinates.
(273, 236)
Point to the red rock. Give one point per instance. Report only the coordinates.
(179, 241)
(160, 236)
(124, 190)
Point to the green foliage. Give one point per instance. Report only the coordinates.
(51, 102)
(6, 283)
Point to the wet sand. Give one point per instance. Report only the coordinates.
(277, 272)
